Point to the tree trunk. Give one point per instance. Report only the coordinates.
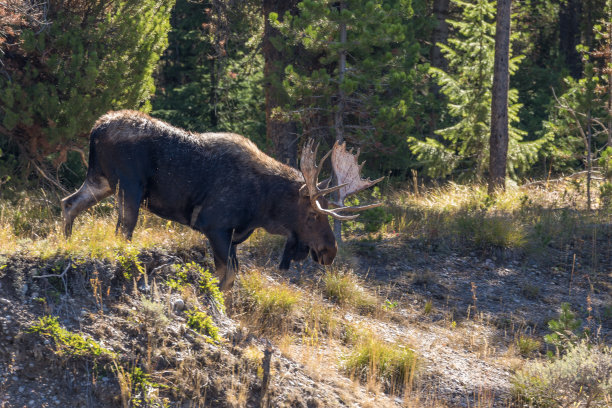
(440, 32)
(589, 158)
(498, 142)
(339, 113)
(282, 134)
(569, 35)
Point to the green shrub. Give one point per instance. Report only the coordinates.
(527, 345)
(581, 378)
(129, 262)
(69, 343)
(206, 284)
(565, 330)
(203, 324)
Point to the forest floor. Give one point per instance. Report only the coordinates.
(471, 313)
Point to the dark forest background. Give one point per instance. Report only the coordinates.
(409, 81)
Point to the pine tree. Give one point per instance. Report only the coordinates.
(366, 98)
(80, 59)
(464, 147)
(210, 76)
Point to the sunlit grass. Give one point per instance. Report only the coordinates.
(93, 235)
(374, 360)
(345, 289)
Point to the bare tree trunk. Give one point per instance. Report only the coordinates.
(440, 32)
(339, 114)
(589, 158)
(439, 35)
(498, 142)
(569, 35)
(282, 134)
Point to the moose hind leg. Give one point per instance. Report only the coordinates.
(128, 205)
(91, 192)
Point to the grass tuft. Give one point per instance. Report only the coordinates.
(271, 304)
(373, 359)
(345, 290)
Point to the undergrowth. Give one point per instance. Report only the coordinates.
(69, 343)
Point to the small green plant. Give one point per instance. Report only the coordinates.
(206, 284)
(389, 305)
(69, 343)
(136, 388)
(203, 324)
(375, 219)
(527, 345)
(392, 364)
(428, 307)
(565, 330)
(129, 263)
(152, 315)
(580, 378)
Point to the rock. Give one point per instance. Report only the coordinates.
(178, 305)
(21, 389)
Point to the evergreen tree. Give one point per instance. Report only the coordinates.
(464, 147)
(210, 76)
(580, 126)
(80, 59)
(368, 98)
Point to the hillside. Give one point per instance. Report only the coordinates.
(437, 300)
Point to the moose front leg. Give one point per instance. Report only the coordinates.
(224, 252)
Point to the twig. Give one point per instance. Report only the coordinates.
(62, 276)
(49, 179)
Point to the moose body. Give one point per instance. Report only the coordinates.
(220, 184)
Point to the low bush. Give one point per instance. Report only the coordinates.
(580, 378)
(67, 342)
(203, 324)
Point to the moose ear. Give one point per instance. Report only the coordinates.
(304, 191)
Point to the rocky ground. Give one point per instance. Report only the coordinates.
(459, 310)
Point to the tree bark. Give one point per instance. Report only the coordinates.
(569, 35)
(339, 113)
(498, 142)
(440, 32)
(282, 134)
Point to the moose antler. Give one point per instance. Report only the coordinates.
(348, 174)
(350, 182)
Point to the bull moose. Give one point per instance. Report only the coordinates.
(220, 184)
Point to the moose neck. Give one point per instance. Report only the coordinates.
(281, 208)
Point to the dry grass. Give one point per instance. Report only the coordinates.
(271, 306)
(345, 289)
(93, 234)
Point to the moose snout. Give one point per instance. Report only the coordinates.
(326, 255)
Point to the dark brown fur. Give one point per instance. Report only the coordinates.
(220, 184)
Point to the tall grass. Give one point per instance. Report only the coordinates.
(530, 219)
(36, 228)
(373, 360)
